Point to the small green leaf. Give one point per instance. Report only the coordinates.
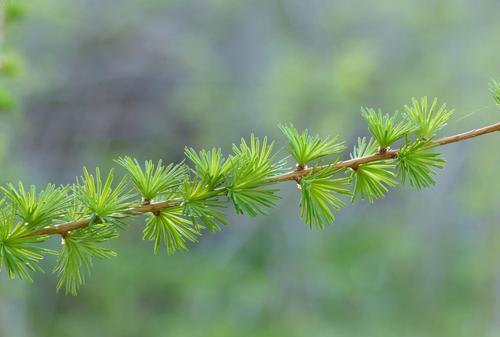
(37, 209)
(415, 163)
(385, 128)
(18, 253)
(101, 198)
(252, 165)
(202, 206)
(75, 210)
(171, 228)
(495, 91)
(427, 120)
(210, 166)
(153, 180)
(319, 196)
(306, 148)
(371, 180)
(253, 201)
(78, 250)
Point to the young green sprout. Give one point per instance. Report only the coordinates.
(252, 165)
(427, 120)
(320, 195)
(385, 128)
(153, 180)
(306, 148)
(371, 180)
(209, 166)
(495, 91)
(415, 164)
(37, 209)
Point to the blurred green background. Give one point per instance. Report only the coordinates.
(146, 78)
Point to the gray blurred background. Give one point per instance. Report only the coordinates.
(146, 78)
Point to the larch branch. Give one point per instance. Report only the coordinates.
(155, 207)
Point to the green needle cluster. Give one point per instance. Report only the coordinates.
(495, 91)
(372, 180)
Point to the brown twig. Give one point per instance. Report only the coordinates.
(467, 135)
(156, 207)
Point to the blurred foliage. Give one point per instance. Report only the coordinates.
(13, 12)
(147, 78)
(10, 63)
(11, 67)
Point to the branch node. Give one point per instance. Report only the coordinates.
(383, 150)
(299, 168)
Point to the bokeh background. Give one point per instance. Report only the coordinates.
(146, 78)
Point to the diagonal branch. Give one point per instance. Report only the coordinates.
(65, 228)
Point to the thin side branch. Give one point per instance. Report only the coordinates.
(65, 228)
(467, 135)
